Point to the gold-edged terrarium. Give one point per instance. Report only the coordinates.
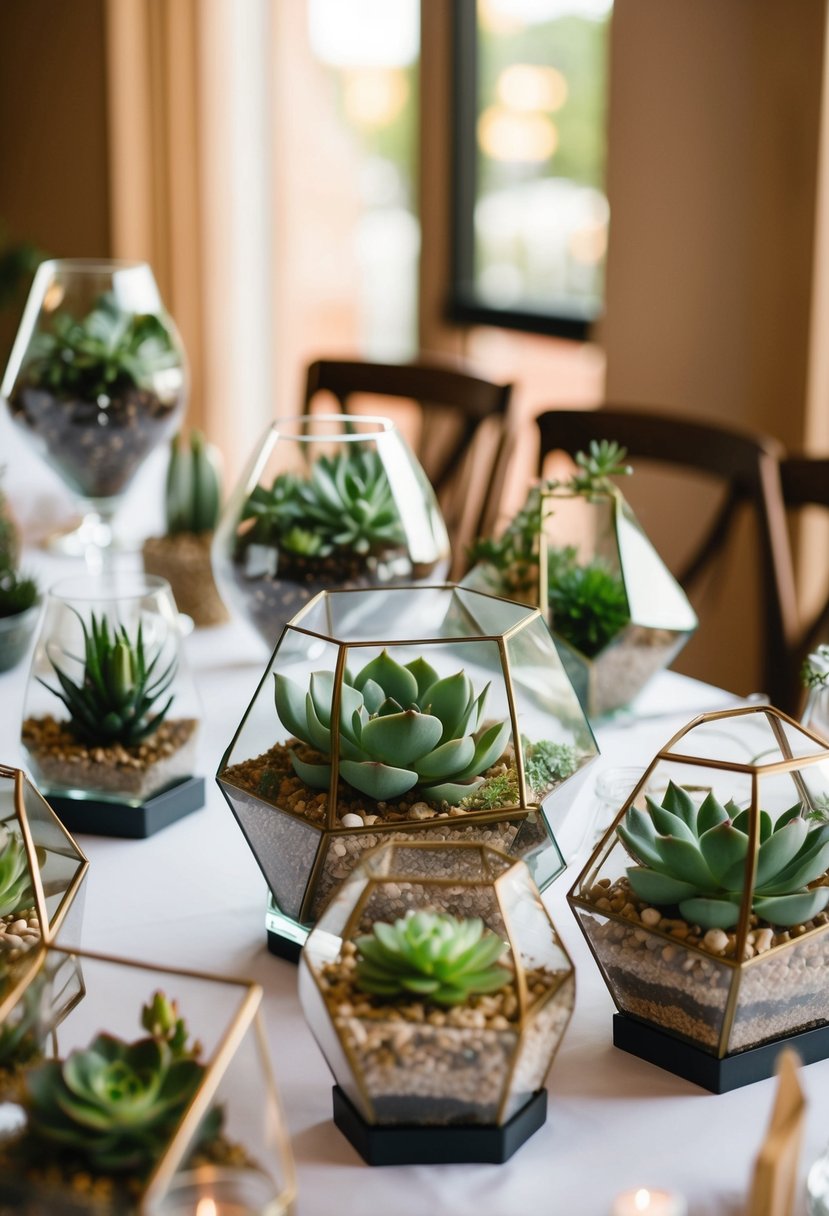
(455, 721)
(578, 551)
(41, 869)
(705, 904)
(452, 1032)
(145, 1080)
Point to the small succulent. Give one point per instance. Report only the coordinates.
(400, 726)
(546, 762)
(15, 879)
(430, 955)
(102, 354)
(588, 603)
(594, 468)
(346, 502)
(192, 490)
(21, 1033)
(18, 593)
(815, 672)
(117, 698)
(9, 535)
(115, 1104)
(696, 857)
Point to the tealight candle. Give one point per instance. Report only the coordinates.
(648, 1201)
(221, 1192)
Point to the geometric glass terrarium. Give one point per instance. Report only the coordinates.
(705, 904)
(441, 1056)
(424, 713)
(111, 714)
(138, 1089)
(41, 869)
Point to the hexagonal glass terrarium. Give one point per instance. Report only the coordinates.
(467, 1049)
(617, 613)
(454, 720)
(41, 869)
(93, 1039)
(705, 905)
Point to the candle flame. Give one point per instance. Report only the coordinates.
(206, 1207)
(641, 1201)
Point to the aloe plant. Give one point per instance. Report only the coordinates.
(115, 1105)
(400, 727)
(432, 956)
(192, 489)
(15, 878)
(345, 503)
(696, 857)
(102, 354)
(117, 699)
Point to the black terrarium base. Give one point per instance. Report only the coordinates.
(100, 817)
(284, 947)
(718, 1076)
(447, 1144)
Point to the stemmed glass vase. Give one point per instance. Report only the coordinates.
(96, 379)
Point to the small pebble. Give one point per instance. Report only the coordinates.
(350, 820)
(715, 941)
(650, 917)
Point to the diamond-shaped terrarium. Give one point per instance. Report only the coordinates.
(138, 1089)
(576, 549)
(453, 719)
(41, 868)
(439, 992)
(705, 905)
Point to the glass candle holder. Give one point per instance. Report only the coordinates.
(222, 1192)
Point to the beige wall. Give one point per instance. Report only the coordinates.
(714, 140)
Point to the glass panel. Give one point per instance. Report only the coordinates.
(655, 599)
(783, 993)
(757, 737)
(57, 857)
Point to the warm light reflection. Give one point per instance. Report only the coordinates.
(642, 1200)
(374, 97)
(530, 86)
(53, 297)
(497, 19)
(507, 136)
(206, 1207)
(588, 245)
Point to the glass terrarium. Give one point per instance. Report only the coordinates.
(327, 501)
(578, 551)
(111, 715)
(430, 713)
(41, 870)
(137, 1086)
(96, 379)
(705, 905)
(437, 989)
(816, 679)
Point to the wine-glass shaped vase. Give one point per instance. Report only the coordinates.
(96, 379)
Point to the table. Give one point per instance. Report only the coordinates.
(192, 896)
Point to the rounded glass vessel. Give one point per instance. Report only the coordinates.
(327, 502)
(96, 379)
(110, 709)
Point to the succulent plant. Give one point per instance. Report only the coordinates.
(430, 955)
(594, 468)
(696, 857)
(346, 502)
(102, 354)
(117, 698)
(18, 593)
(815, 672)
(192, 491)
(588, 603)
(9, 535)
(400, 726)
(15, 879)
(115, 1105)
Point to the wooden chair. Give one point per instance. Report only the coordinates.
(805, 483)
(746, 467)
(463, 436)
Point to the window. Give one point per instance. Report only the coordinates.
(529, 207)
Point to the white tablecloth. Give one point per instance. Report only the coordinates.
(193, 896)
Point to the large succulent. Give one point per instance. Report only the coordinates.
(346, 502)
(400, 726)
(697, 858)
(431, 955)
(102, 354)
(15, 879)
(117, 698)
(115, 1104)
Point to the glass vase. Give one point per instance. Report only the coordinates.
(326, 502)
(96, 379)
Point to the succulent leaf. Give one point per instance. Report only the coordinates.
(711, 913)
(15, 880)
(658, 888)
(376, 780)
(401, 738)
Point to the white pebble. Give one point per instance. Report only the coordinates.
(17, 927)
(12, 940)
(715, 941)
(338, 848)
(650, 917)
(350, 820)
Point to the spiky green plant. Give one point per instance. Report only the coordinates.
(432, 956)
(15, 878)
(116, 699)
(18, 593)
(594, 468)
(400, 726)
(115, 1105)
(696, 857)
(345, 503)
(588, 603)
(192, 489)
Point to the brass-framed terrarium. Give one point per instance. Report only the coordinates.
(453, 720)
(705, 904)
(41, 869)
(149, 1085)
(577, 550)
(439, 992)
